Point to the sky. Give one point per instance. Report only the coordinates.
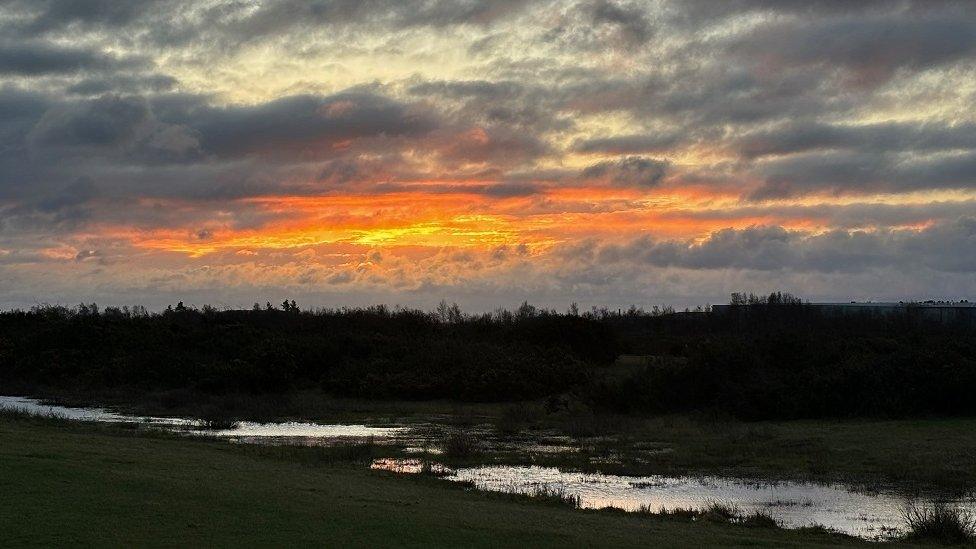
(351, 152)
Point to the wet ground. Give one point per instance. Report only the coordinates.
(292, 432)
(792, 504)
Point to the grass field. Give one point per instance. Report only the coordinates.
(80, 485)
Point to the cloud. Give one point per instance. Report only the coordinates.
(631, 144)
(630, 19)
(54, 15)
(870, 48)
(631, 171)
(33, 59)
(846, 172)
(105, 122)
(878, 137)
(499, 145)
(124, 84)
(304, 124)
(947, 247)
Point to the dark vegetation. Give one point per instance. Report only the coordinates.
(766, 358)
(715, 511)
(940, 524)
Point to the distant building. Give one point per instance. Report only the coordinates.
(947, 312)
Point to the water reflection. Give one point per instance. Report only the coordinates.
(243, 431)
(792, 504)
(410, 466)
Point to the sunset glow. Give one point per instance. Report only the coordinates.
(599, 152)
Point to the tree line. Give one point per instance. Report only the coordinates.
(773, 358)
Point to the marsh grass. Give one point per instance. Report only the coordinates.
(361, 453)
(459, 443)
(555, 495)
(724, 512)
(720, 511)
(940, 523)
(16, 413)
(760, 519)
(681, 513)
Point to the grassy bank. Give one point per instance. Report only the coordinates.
(64, 484)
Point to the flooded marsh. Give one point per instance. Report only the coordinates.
(482, 450)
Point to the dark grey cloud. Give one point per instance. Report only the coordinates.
(76, 193)
(502, 103)
(301, 124)
(60, 209)
(491, 190)
(630, 19)
(19, 110)
(509, 190)
(50, 15)
(946, 247)
(186, 128)
(844, 216)
(883, 137)
(105, 122)
(500, 145)
(40, 58)
(705, 96)
(276, 16)
(871, 48)
(225, 25)
(124, 83)
(853, 172)
(631, 171)
(459, 89)
(702, 12)
(631, 144)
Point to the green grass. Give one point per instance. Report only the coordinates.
(80, 485)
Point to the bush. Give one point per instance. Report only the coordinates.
(940, 523)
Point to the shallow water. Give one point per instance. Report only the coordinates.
(291, 432)
(792, 504)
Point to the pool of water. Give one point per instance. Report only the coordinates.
(290, 432)
(792, 504)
